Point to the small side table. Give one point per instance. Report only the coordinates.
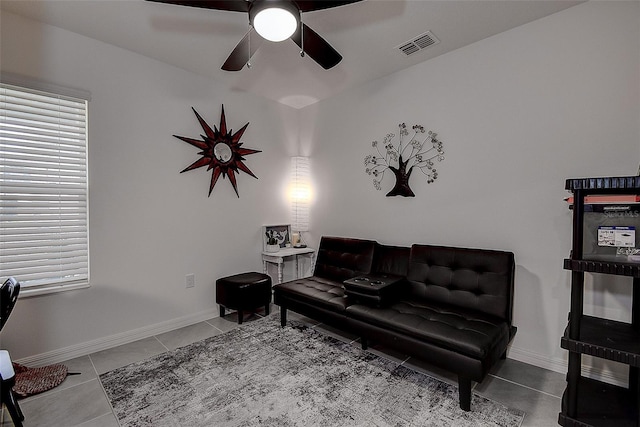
(371, 289)
(279, 258)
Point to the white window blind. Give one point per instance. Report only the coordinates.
(44, 220)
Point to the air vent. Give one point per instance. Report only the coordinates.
(418, 43)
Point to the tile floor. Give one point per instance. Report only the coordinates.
(80, 400)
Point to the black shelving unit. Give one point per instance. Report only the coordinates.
(588, 402)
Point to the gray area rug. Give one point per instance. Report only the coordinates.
(262, 374)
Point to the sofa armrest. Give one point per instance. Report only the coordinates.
(373, 289)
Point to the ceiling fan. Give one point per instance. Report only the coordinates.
(274, 20)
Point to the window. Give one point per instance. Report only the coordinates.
(44, 240)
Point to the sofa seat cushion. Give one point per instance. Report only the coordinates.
(473, 334)
(315, 290)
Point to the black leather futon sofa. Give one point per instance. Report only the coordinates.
(451, 307)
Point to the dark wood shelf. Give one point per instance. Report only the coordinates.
(604, 264)
(601, 405)
(606, 339)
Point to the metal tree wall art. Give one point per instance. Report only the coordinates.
(221, 151)
(418, 152)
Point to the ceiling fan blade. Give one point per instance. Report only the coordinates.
(230, 5)
(311, 5)
(317, 47)
(240, 54)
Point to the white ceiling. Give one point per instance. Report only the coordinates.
(367, 35)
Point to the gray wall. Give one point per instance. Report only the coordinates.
(149, 225)
(518, 114)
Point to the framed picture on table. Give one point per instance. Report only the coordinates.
(276, 235)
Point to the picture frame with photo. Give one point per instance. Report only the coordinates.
(281, 234)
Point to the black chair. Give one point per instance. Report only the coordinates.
(8, 296)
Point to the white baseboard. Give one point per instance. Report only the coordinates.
(539, 360)
(560, 365)
(88, 347)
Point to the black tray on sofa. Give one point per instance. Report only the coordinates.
(371, 289)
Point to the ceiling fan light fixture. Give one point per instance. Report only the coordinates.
(274, 20)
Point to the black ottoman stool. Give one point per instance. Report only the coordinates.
(244, 292)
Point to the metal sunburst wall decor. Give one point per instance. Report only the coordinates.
(419, 152)
(221, 151)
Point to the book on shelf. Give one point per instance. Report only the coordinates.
(607, 198)
(613, 209)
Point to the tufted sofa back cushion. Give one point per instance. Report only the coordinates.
(476, 279)
(390, 260)
(341, 258)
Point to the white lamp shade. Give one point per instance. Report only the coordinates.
(300, 193)
(275, 24)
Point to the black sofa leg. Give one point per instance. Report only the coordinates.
(464, 393)
(283, 316)
(364, 342)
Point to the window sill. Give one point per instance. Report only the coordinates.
(51, 289)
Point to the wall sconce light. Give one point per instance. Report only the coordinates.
(300, 198)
